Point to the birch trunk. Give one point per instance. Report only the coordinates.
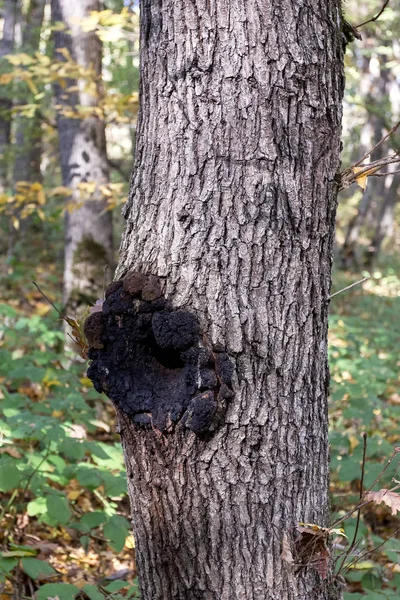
(232, 209)
(88, 226)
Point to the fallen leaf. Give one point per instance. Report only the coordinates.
(22, 521)
(311, 547)
(11, 450)
(77, 431)
(45, 548)
(74, 494)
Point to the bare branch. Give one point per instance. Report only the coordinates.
(385, 174)
(349, 287)
(361, 556)
(356, 171)
(389, 133)
(349, 513)
(362, 503)
(376, 17)
(48, 300)
(351, 174)
(354, 540)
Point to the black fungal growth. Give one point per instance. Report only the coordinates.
(152, 360)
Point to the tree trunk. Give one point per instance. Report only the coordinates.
(88, 227)
(385, 223)
(221, 383)
(28, 136)
(376, 99)
(6, 47)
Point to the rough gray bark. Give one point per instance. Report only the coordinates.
(28, 134)
(232, 206)
(6, 47)
(88, 229)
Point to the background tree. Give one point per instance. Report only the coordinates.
(231, 214)
(373, 84)
(28, 135)
(385, 221)
(88, 223)
(6, 46)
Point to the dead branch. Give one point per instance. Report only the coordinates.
(361, 171)
(385, 174)
(349, 287)
(376, 17)
(354, 540)
(385, 137)
(349, 176)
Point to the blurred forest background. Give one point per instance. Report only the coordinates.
(69, 89)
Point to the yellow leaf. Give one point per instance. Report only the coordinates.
(57, 414)
(130, 542)
(353, 441)
(312, 526)
(65, 53)
(100, 425)
(105, 191)
(363, 565)
(362, 178)
(19, 553)
(31, 86)
(88, 188)
(60, 191)
(50, 382)
(42, 308)
(338, 532)
(22, 184)
(6, 78)
(20, 59)
(90, 23)
(74, 494)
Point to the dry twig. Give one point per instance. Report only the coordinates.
(354, 540)
(376, 17)
(359, 170)
(385, 137)
(349, 287)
